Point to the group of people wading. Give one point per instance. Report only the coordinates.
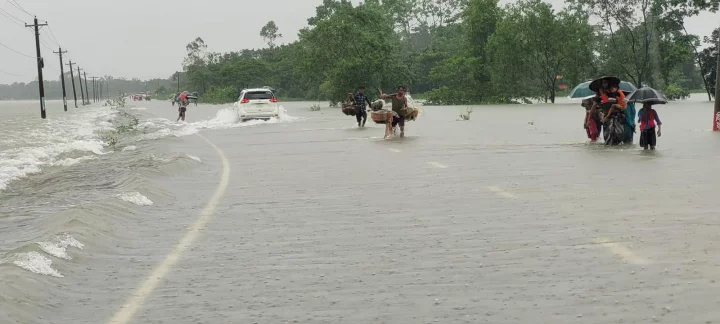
(400, 112)
(610, 114)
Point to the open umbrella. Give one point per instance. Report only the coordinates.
(647, 95)
(611, 80)
(583, 90)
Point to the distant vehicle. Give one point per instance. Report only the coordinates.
(138, 97)
(257, 104)
(148, 97)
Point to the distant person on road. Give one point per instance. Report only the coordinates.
(182, 106)
(361, 100)
(399, 108)
(649, 119)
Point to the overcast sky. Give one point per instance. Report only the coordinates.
(147, 38)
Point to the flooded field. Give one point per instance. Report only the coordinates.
(124, 216)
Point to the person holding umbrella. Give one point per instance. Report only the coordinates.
(612, 104)
(649, 119)
(647, 116)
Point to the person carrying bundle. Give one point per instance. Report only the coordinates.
(399, 108)
(360, 100)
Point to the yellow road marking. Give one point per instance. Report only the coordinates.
(135, 302)
(501, 192)
(438, 165)
(621, 251)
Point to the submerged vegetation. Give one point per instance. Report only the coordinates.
(466, 115)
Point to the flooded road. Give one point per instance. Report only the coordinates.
(510, 217)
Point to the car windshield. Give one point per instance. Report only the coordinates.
(259, 95)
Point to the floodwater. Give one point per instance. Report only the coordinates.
(124, 216)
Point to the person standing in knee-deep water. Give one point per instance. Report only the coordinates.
(360, 102)
(399, 105)
(182, 106)
(648, 118)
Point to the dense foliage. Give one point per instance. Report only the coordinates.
(465, 51)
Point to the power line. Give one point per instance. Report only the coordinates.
(11, 17)
(8, 47)
(8, 73)
(42, 42)
(17, 5)
(53, 35)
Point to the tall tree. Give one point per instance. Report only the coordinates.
(270, 33)
(533, 47)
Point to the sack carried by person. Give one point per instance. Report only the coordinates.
(349, 109)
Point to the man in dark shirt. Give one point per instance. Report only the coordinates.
(361, 102)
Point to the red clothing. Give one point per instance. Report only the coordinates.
(619, 95)
(591, 128)
(650, 121)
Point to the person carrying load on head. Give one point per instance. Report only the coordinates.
(399, 108)
(361, 103)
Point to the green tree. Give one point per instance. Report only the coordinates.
(533, 47)
(270, 33)
(353, 45)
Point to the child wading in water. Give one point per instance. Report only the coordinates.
(648, 118)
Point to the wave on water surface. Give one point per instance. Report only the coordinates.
(135, 198)
(57, 246)
(36, 263)
(47, 142)
(225, 118)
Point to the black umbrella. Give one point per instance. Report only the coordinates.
(647, 95)
(611, 80)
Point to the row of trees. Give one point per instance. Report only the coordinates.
(468, 51)
(162, 88)
(456, 51)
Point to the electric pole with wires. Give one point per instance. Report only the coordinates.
(94, 89)
(72, 78)
(716, 114)
(62, 75)
(81, 87)
(87, 92)
(40, 65)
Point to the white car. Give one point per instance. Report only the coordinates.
(257, 104)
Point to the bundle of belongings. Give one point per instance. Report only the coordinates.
(349, 109)
(380, 115)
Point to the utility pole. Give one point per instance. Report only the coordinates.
(40, 66)
(62, 76)
(107, 89)
(94, 89)
(87, 92)
(178, 80)
(72, 78)
(81, 87)
(716, 115)
(100, 88)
